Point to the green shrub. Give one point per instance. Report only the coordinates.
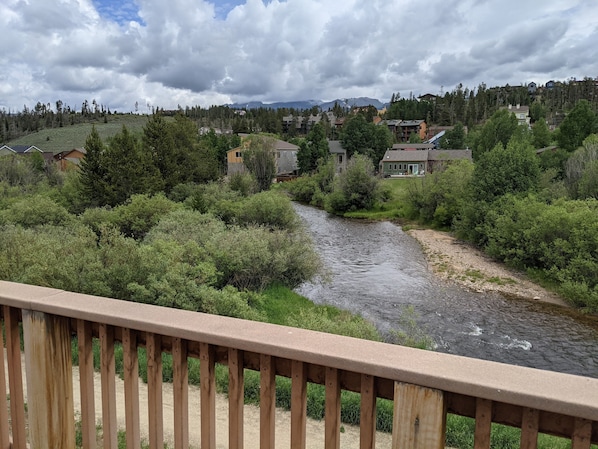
(36, 210)
(141, 213)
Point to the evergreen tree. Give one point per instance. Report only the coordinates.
(129, 169)
(312, 149)
(93, 174)
(158, 142)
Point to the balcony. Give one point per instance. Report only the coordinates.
(424, 386)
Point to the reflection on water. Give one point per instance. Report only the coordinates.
(377, 270)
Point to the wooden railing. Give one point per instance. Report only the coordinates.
(424, 385)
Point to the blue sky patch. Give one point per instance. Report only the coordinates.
(119, 11)
(223, 7)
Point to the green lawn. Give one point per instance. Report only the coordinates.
(68, 137)
(392, 208)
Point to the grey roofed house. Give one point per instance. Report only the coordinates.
(418, 163)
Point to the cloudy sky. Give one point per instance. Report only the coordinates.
(202, 52)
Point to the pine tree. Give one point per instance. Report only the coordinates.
(93, 173)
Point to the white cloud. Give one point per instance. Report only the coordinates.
(189, 52)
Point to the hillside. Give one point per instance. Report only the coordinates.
(68, 137)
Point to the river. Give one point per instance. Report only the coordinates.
(377, 270)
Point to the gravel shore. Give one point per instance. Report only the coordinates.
(459, 262)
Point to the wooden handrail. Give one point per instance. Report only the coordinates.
(535, 401)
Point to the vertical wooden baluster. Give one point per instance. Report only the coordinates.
(483, 423)
(582, 434)
(207, 380)
(4, 435)
(367, 428)
(108, 379)
(298, 405)
(15, 377)
(49, 372)
(131, 367)
(529, 428)
(154, 390)
(419, 417)
(235, 398)
(181, 393)
(267, 402)
(332, 418)
(86, 370)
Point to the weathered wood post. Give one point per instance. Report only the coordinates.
(49, 380)
(419, 417)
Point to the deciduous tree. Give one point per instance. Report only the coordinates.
(259, 160)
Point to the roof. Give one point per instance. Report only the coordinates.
(413, 146)
(390, 122)
(448, 155)
(425, 155)
(436, 137)
(336, 147)
(405, 156)
(406, 123)
(65, 154)
(21, 149)
(281, 145)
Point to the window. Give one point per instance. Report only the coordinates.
(238, 154)
(340, 158)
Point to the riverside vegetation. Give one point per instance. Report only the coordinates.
(536, 212)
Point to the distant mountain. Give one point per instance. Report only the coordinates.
(308, 104)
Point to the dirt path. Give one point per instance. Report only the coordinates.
(459, 262)
(315, 429)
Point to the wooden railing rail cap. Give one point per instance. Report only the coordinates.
(543, 390)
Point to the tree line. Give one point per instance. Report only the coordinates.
(468, 106)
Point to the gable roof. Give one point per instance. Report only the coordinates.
(425, 155)
(21, 149)
(6, 147)
(405, 156)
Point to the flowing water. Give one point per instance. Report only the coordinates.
(378, 271)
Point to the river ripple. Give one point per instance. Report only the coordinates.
(377, 270)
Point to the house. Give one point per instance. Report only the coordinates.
(398, 163)
(409, 127)
(339, 155)
(521, 112)
(392, 125)
(427, 97)
(404, 163)
(532, 88)
(24, 150)
(285, 158)
(72, 158)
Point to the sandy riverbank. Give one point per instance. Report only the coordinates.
(459, 262)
